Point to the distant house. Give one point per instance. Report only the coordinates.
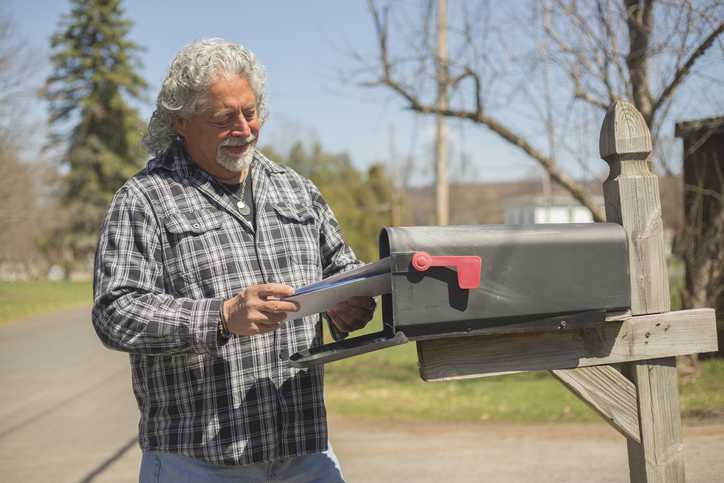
(561, 209)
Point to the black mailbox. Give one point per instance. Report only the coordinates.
(457, 281)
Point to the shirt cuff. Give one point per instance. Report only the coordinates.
(204, 330)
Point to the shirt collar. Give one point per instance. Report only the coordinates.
(178, 161)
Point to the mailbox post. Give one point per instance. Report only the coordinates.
(631, 193)
(642, 401)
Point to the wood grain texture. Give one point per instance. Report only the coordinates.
(631, 195)
(607, 393)
(659, 457)
(637, 338)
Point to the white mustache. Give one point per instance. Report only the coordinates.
(238, 141)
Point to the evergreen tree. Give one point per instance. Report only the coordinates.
(94, 73)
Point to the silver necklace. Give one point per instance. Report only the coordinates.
(243, 207)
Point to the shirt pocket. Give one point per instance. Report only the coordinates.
(299, 239)
(198, 250)
(195, 222)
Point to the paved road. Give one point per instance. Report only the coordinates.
(67, 414)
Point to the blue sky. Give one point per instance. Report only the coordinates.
(304, 45)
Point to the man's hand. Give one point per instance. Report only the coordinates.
(258, 310)
(353, 314)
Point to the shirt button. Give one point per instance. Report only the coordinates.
(197, 226)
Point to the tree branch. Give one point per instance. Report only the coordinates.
(478, 116)
(685, 69)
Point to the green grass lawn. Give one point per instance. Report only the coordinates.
(386, 384)
(701, 395)
(25, 299)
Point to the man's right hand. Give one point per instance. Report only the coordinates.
(258, 309)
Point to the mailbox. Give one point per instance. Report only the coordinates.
(458, 281)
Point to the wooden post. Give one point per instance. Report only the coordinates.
(631, 193)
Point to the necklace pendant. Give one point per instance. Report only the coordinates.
(243, 208)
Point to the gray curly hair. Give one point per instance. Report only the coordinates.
(183, 92)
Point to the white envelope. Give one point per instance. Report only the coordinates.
(366, 281)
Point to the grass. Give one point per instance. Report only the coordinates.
(386, 385)
(701, 394)
(25, 299)
(676, 283)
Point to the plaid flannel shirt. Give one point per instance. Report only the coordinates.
(172, 248)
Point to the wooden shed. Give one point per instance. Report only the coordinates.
(703, 177)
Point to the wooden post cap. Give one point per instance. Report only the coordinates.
(624, 131)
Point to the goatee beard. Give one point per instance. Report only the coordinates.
(236, 162)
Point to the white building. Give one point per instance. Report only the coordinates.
(561, 209)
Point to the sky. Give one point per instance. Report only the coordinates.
(304, 46)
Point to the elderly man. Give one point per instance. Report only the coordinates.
(195, 256)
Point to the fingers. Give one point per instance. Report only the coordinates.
(343, 322)
(365, 303)
(353, 314)
(258, 309)
(272, 289)
(266, 299)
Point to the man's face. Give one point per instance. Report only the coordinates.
(221, 138)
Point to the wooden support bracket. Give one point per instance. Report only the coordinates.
(637, 338)
(607, 393)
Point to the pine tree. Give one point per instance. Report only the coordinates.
(94, 74)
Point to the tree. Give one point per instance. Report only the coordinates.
(21, 217)
(540, 73)
(18, 66)
(94, 73)
(361, 203)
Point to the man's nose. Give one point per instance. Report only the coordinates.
(241, 127)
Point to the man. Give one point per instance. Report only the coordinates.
(194, 257)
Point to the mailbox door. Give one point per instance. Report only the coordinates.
(532, 277)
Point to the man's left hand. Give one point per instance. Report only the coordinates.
(353, 314)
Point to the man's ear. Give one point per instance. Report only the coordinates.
(180, 124)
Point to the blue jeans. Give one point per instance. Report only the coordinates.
(157, 467)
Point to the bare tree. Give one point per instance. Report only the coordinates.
(505, 58)
(22, 219)
(18, 66)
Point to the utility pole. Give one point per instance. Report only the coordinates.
(547, 196)
(441, 187)
(395, 190)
